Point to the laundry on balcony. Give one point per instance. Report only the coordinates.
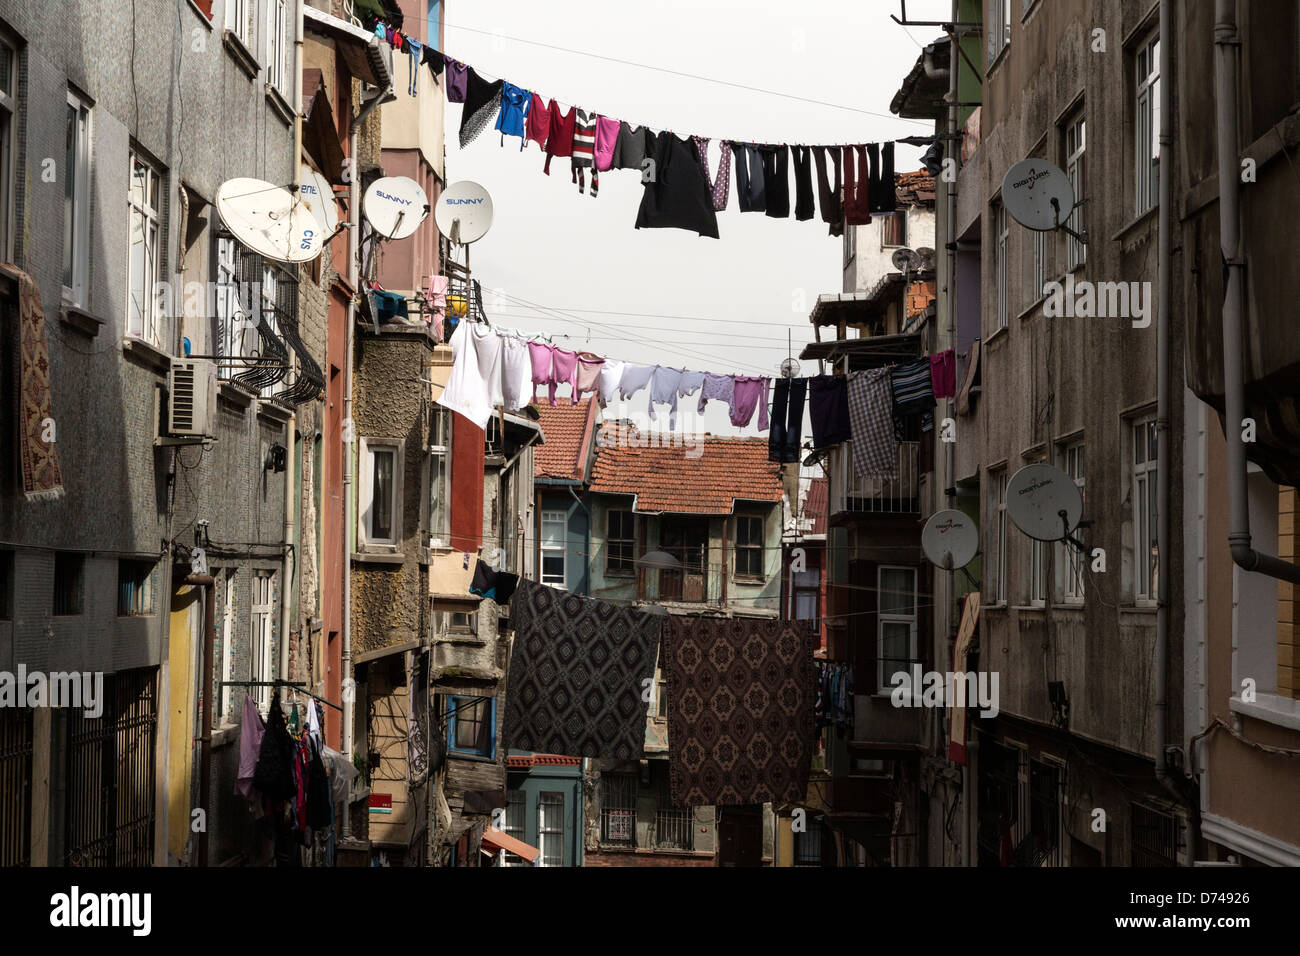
(829, 410)
(493, 584)
(913, 394)
(833, 699)
(871, 404)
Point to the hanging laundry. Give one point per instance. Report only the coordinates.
(482, 100)
(635, 378)
(273, 775)
(514, 109)
(391, 305)
(319, 809)
(943, 373)
(414, 51)
(537, 123)
(490, 583)
(871, 413)
(559, 138)
(776, 180)
(434, 60)
(663, 391)
(750, 393)
(577, 667)
(873, 180)
(912, 390)
(564, 371)
(251, 732)
(828, 410)
(749, 178)
(488, 345)
(516, 373)
(834, 696)
(588, 376)
(466, 392)
(749, 743)
(720, 388)
(720, 187)
(690, 383)
(678, 195)
(632, 147)
(543, 360)
(783, 441)
(803, 189)
(828, 196)
(381, 31)
(610, 375)
(42, 479)
(886, 194)
(606, 139)
(584, 152)
(856, 187)
(457, 80)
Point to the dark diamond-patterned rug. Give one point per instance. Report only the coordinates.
(578, 672)
(740, 720)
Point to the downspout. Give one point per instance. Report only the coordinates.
(1226, 39)
(349, 690)
(207, 582)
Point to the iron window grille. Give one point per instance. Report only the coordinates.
(618, 809)
(1155, 837)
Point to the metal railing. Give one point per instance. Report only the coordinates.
(674, 830)
(853, 493)
(15, 786)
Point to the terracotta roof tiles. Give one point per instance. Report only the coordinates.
(568, 430)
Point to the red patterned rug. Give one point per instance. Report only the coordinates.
(40, 462)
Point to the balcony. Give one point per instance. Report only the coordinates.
(854, 494)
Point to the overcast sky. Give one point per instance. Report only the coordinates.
(721, 305)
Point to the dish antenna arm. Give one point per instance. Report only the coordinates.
(1068, 537)
(1056, 207)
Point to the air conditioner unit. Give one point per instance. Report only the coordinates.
(192, 386)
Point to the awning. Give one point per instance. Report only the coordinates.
(869, 352)
(494, 839)
(367, 60)
(320, 138)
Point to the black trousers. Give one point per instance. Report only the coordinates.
(785, 434)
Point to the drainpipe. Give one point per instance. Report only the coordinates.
(207, 582)
(1226, 39)
(354, 204)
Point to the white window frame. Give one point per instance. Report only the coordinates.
(547, 832)
(1071, 561)
(440, 464)
(999, 28)
(149, 219)
(998, 528)
(227, 637)
(1146, 123)
(269, 317)
(233, 321)
(1037, 573)
(261, 652)
(1000, 265)
(883, 618)
(850, 244)
(1038, 266)
(554, 516)
(760, 548)
(238, 20)
(1075, 145)
(76, 227)
(366, 537)
(276, 45)
(897, 219)
(1144, 478)
(8, 132)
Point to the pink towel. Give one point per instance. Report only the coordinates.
(564, 369)
(606, 137)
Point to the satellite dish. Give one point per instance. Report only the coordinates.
(1044, 502)
(905, 260)
(950, 539)
(927, 256)
(269, 220)
(318, 196)
(789, 368)
(395, 206)
(1037, 195)
(464, 212)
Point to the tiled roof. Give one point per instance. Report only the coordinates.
(528, 761)
(687, 474)
(568, 431)
(814, 505)
(915, 187)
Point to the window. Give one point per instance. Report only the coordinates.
(261, 649)
(381, 484)
(870, 767)
(8, 106)
(999, 27)
(998, 525)
(76, 200)
(674, 826)
(516, 807)
(1000, 263)
(1155, 837)
(554, 534)
(462, 622)
(472, 727)
(6, 585)
(1146, 563)
(1037, 573)
(850, 243)
(238, 22)
(270, 316)
(1045, 813)
(893, 230)
(749, 546)
(808, 844)
(145, 264)
(439, 477)
(435, 23)
(550, 828)
(661, 695)
(1072, 560)
(228, 640)
(807, 590)
(1146, 118)
(1038, 266)
(896, 637)
(69, 583)
(232, 321)
(134, 588)
(620, 553)
(275, 44)
(1076, 170)
(618, 808)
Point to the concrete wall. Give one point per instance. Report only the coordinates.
(871, 258)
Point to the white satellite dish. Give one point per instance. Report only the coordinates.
(268, 220)
(1044, 502)
(395, 206)
(1037, 195)
(905, 260)
(464, 212)
(950, 539)
(318, 196)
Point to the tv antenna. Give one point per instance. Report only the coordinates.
(1040, 197)
(1045, 503)
(464, 213)
(269, 220)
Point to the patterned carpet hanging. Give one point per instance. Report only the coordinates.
(577, 674)
(740, 721)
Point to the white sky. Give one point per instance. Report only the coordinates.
(719, 305)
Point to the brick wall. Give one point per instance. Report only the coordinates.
(645, 858)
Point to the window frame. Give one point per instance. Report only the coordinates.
(261, 636)
(476, 752)
(366, 539)
(1073, 574)
(997, 495)
(553, 516)
(439, 474)
(893, 617)
(228, 633)
(239, 21)
(1074, 154)
(1144, 476)
(1001, 266)
(891, 223)
(151, 218)
(628, 543)
(277, 71)
(139, 599)
(749, 549)
(8, 138)
(233, 322)
(998, 21)
(77, 225)
(544, 831)
(8, 575)
(1146, 122)
(609, 782)
(74, 604)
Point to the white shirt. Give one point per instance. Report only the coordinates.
(516, 373)
(467, 392)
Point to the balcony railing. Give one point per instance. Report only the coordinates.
(852, 493)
